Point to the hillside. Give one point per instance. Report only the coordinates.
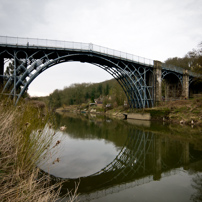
(85, 93)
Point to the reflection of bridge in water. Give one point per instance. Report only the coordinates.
(144, 158)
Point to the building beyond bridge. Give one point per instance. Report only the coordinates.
(144, 81)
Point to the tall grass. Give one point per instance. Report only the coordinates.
(20, 150)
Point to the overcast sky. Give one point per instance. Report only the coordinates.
(155, 29)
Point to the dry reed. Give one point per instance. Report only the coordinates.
(19, 152)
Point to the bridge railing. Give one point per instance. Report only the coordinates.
(173, 68)
(69, 45)
(180, 70)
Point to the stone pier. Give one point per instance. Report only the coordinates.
(185, 87)
(157, 81)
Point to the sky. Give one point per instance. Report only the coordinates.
(154, 29)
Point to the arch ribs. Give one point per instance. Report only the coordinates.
(139, 77)
(30, 64)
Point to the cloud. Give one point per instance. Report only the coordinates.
(19, 17)
(153, 29)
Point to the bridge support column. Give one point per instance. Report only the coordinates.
(157, 81)
(185, 85)
(1, 71)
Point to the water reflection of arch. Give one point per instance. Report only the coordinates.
(143, 159)
(133, 163)
(177, 156)
(136, 163)
(132, 156)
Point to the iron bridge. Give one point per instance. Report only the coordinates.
(31, 57)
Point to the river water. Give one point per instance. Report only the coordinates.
(125, 160)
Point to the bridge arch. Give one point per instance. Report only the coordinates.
(172, 85)
(131, 77)
(195, 87)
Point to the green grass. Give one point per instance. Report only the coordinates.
(158, 114)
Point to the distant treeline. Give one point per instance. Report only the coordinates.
(77, 94)
(191, 61)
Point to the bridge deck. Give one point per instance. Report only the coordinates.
(32, 43)
(35, 43)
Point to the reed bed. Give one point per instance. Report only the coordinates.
(20, 150)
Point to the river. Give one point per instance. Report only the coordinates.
(125, 160)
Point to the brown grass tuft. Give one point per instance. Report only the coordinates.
(20, 179)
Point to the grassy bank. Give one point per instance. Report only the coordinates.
(20, 150)
(187, 112)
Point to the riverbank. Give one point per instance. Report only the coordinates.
(184, 112)
(22, 144)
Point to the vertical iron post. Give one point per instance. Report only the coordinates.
(1, 71)
(144, 150)
(14, 74)
(144, 88)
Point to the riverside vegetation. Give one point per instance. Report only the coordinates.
(183, 112)
(22, 145)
